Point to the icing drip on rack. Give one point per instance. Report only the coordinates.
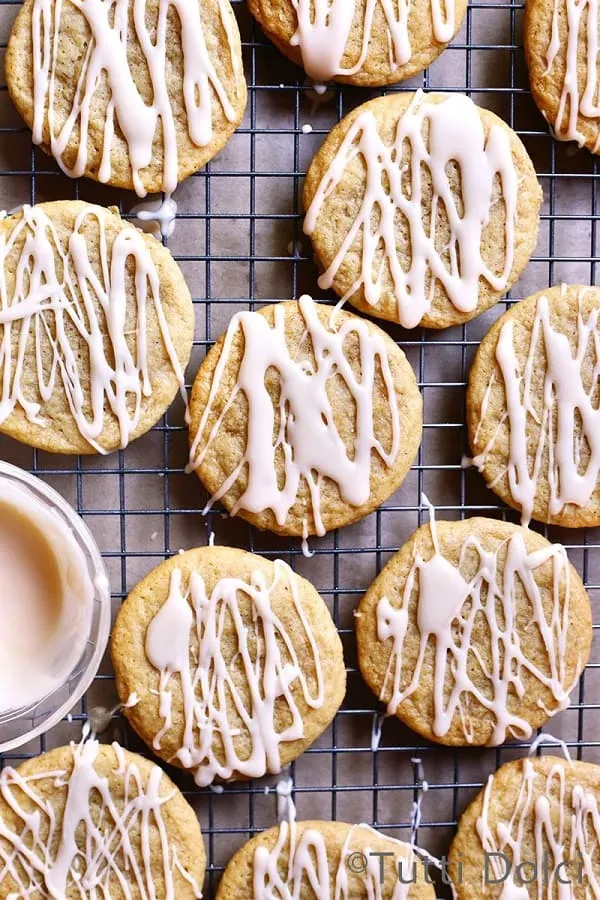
(312, 447)
(59, 301)
(299, 858)
(559, 443)
(438, 135)
(448, 608)
(582, 22)
(324, 28)
(185, 639)
(99, 844)
(550, 817)
(114, 24)
(157, 216)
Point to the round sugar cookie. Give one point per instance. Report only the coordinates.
(534, 824)
(138, 95)
(359, 41)
(474, 632)
(423, 209)
(96, 820)
(236, 662)
(96, 332)
(533, 407)
(336, 853)
(303, 418)
(561, 39)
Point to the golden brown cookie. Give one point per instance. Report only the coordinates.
(422, 208)
(360, 41)
(303, 418)
(561, 49)
(138, 95)
(532, 407)
(94, 820)
(533, 831)
(235, 660)
(96, 330)
(336, 853)
(474, 632)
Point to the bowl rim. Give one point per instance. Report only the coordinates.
(100, 580)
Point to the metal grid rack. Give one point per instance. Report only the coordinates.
(239, 242)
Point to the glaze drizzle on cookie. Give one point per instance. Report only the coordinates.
(59, 301)
(437, 135)
(185, 639)
(300, 858)
(92, 845)
(553, 815)
(559, 423)
(308, 440)
(324, 28)
(448, 609)
(138, 123)
(582, 21)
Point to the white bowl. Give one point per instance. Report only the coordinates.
(18, 726)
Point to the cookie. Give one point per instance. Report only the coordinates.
(533, 831)
(235, 660)
(532, 407)
(303, 418)
(422, 209)
(93, 820)
(324, 859)
(475, 632)
(360, 41)
(95, 332)
(561, 38)
(138, 95)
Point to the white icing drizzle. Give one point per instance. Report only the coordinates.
(512, 891)
(185, 639)
(551, 416)
(138, 123)
(157, 216)
(544, 739)
(100, 717)
(553, 818)
(91, 848)
(299, 858)
(582, 19)
(131, 701)
(57, 295)
(448, 608)
(286, 808)
(307, 553)
(376, 729)
(312, 446)
(421, 788)
(417, 813)
(324, 28)
(438, 135)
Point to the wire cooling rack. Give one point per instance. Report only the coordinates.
(239, 242)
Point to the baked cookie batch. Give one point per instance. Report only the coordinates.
(423, 210)
(336, 393)
(138, 94)
(252, 674)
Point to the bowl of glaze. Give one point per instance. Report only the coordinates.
(54, 607)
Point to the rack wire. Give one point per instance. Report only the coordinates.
(239, 242)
